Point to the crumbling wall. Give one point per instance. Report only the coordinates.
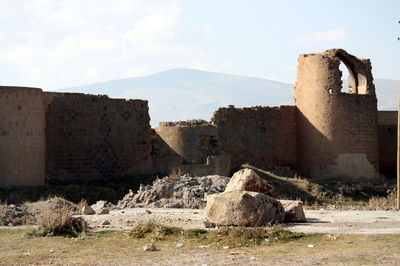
(94, 137)
(190, 147)
(193, 141)
(387, 130)
(262, 136)
(22, 137)
(336, 131)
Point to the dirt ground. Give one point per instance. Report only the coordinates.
(320, 221)
(116, 248)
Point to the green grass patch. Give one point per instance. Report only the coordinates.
(231, 236)
(155, 231)
(324, 192)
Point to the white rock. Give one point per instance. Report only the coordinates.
(179, 245)
(99, 205)
(150, 247)
(248, 180)
(311, 246)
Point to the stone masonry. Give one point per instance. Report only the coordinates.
(48, 137)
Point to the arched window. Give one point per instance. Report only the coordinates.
(356, 82)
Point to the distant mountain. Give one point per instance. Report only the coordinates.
(387, 91)
(181, 94)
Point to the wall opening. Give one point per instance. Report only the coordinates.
(346, 78)
(352, 81)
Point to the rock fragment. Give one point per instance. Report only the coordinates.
(87, 210)
(293, 211)
(244, 208)
(248, 180)
(150, 247)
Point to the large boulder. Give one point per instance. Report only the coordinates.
(243, 208)
(248, 180)
(293, 211)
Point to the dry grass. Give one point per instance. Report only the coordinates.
(116, 248)
(55, 222)
(384, 203)
(154, 231)
(333, 192)
(232, 236)
(13, 215)
(2, 210)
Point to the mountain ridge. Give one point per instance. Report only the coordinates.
(185, 93)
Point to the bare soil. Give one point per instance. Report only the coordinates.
(116, 248)
(318, 221)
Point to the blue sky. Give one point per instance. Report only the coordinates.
(60, 43)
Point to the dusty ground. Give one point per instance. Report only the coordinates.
(116, 248)
(321, 221)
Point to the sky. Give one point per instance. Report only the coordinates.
(55, 44)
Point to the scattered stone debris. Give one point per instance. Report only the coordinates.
(208, 224)
(293, 211)
(52, 204)
(103, 211)
(87, 210)
(150, 247)
(182, 192)
(106, 222)
(12, 215)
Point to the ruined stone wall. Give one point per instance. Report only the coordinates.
(190, 147)
(262, 136)
(387, 129)
(22, 137)
(194, 142)
(94, 137)
(336, 131)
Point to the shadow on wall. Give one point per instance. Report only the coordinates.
(321, 158)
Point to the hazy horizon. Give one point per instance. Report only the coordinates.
(56, 44)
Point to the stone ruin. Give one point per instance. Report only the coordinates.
(48, 137)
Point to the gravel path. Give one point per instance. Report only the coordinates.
(335, 222)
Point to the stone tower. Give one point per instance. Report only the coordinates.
(336, 130)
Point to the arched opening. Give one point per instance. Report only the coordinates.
(352, 81)
(346, 77)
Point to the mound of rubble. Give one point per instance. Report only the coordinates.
(175, 192)
(12, 215)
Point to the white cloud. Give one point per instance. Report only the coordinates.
(53, 44)
(333, 35)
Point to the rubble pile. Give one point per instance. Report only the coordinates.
(177, 192)
(12, 215)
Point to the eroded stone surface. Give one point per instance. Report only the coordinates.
(243, 208)
(248, 180)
